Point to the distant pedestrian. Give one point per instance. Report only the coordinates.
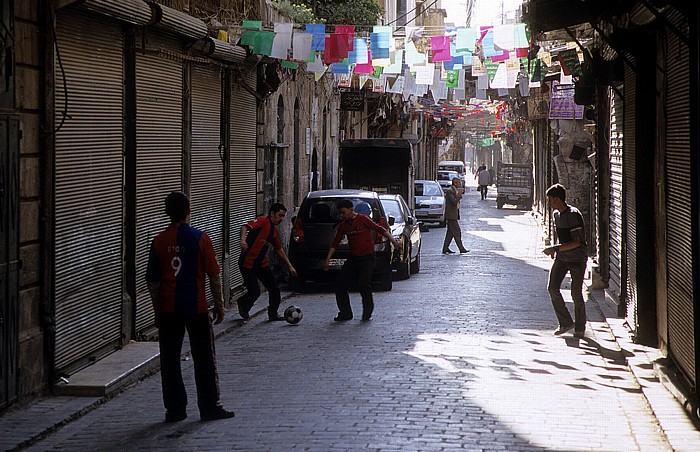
(454, 232)
(256, 236)
(178, 261)
(570, 255)
(484, 177)
(357, 270)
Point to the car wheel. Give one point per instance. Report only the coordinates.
(415, 265)
(499, 203)
(404, 267)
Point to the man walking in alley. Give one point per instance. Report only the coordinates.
(484, 179)
(256, 236)
(452, 197)
(570, 255)
(359, 267)
(178, 261)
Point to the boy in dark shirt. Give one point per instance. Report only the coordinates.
(359, 267)
(570, 255)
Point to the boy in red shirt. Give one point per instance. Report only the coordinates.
(256, 237)
(359, 267)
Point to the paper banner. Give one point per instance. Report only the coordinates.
(460, 79)
(452, 79)
(252, 25)
(440, 46)
(500, 58)
(482, 82)
(319, 36)
(301, 46)
(465, 40)
(478, 67)
(282, 41)
(365, 68)
(396, 66)
(504, 36)
(500, 78)
(349, 32)
(491, 69)
(263, 42)
(379, 45)
(340, 68)
(290, 64)
(413, 58)
(359, 54)
(396, 85)
(378, 84)
(520, 36)
(425, 74)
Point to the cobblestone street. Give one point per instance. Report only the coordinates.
(459, 357)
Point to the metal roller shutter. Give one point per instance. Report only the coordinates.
(88, 186)
(629, 197)
(243, 158)
(207, 170)
(679, 228)
(158, 155)
(616, 138)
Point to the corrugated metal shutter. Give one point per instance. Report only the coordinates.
(158, 155)
(88, 186)
(679, 227)
(243, 158)
(207, 170)
(616, 139)
(629, 197)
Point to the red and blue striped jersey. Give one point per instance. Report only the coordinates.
(262, 233)
(179, 259)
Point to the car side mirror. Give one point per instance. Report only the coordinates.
(409, 220)
(392, 220)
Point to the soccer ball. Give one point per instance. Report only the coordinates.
(293, 314)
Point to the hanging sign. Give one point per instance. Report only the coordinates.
(352, 101)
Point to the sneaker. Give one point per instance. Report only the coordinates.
(563, 329)
(366, 317)
(464, 251)
(448, 251)
(275, 318)
(580, 334)
(342, 318)
(175, 416)
(216, 414)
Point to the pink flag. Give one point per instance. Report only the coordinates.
(441, 48)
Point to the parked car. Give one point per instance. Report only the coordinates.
(445, 177)
(404, 227)
(314, 228)
(430, 202)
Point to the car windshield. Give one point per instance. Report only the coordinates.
(325, 210)
(428, 189)
(393, 209)
(447, 175)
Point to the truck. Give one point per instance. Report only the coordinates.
(382, 165)
(514, 183)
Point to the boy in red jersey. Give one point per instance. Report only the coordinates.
(359, 267)
(256, 236)
(178, 261)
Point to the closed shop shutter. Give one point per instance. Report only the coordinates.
(158, 155)
(88, 186)
(679, 201)
(616, 138)
(243, 158)
(629, 197)
(207, 170)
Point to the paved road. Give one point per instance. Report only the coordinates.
(459, 357)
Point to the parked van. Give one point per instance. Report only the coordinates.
(454, 165)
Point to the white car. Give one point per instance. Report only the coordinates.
(430, 202)
(445, 177)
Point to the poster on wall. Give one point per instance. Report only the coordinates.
(562, 105)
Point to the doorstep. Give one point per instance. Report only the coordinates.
(113, 372)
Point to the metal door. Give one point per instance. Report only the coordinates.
(9, 259)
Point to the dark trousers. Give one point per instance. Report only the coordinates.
(250, 280)
(453, 232)
(171, 332)
(484, 189)
(556, 277)
(356, 272)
